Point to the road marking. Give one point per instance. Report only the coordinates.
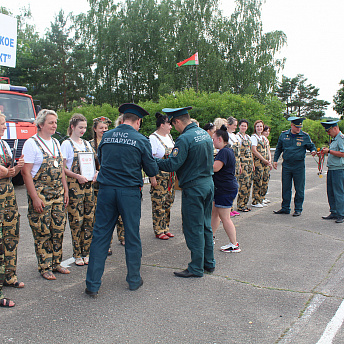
(300, 324)
(333, 326)
(66, 263)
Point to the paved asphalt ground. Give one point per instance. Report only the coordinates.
(286, 285)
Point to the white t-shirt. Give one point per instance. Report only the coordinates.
(33, 155)
(68, 152)
(7, 147)
(158, 150)
(232, 138)
(239, 137)
(255, 138)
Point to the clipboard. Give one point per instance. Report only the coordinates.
(14, 152)
(87, 165)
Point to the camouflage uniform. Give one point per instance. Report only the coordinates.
(162, 197)
(245, 178)
(2, 258)
(266, 175)
(80, 209)
(119, 223)
(261, 173)
(48, 227)
(10, 229)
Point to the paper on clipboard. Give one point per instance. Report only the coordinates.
(87, 165)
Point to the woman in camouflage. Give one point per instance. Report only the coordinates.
(4, 302)
(47, 189)
(247, 167)
(162, 195)
(10, 231)
(262, 163)
(232, 124)
(101, 125)
(81, 195)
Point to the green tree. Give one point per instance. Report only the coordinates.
(252, 66)
(301, 98)
(338, 100)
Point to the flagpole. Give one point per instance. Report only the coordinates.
(197, 78)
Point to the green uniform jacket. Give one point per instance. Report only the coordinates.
(122, 153)
(334, 162)
(293, 146)
(192, 156)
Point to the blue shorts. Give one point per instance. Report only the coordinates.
(225, 200)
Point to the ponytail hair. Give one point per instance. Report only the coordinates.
(222, 132)
(75, 119)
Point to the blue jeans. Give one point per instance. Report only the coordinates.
(335, 192)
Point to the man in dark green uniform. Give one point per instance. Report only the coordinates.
(122, 153)
(293, 143)
(335, 173)
(192, 159)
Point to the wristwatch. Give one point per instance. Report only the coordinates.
(329, 152)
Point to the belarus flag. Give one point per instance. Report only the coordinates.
(191, 61)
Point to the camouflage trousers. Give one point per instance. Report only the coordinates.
(81, 209)
(162, 200)
(261, 177)
(2, 258)
(47, 229)
(119, 223)
(10, 233)
(245, 183)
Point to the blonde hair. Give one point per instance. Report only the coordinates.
(218, 122)
(75, 119)
(119, 120)
(42, 116)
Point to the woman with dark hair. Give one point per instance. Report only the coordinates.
(81, 195)
(262, 164)
(210, 129)
(226, 189)
(247, 166)
(47, 189)
(162, 195)
(232, 124)
(100, 126)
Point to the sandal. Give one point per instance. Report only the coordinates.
(62, 270)
(6, 303)
(79, 262)
(48, 275)
(86, 260)
(122, 243)
(245, 210)
(15, 284)
(170, 235)
(162, 236)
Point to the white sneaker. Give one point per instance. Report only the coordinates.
(226, 246)
(264, 204)
(232, 248)
(258, 205)
(265, 200)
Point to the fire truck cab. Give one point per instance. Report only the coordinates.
(20, 112)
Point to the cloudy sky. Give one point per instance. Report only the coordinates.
(315, 37)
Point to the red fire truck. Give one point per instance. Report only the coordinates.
(20, 112)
